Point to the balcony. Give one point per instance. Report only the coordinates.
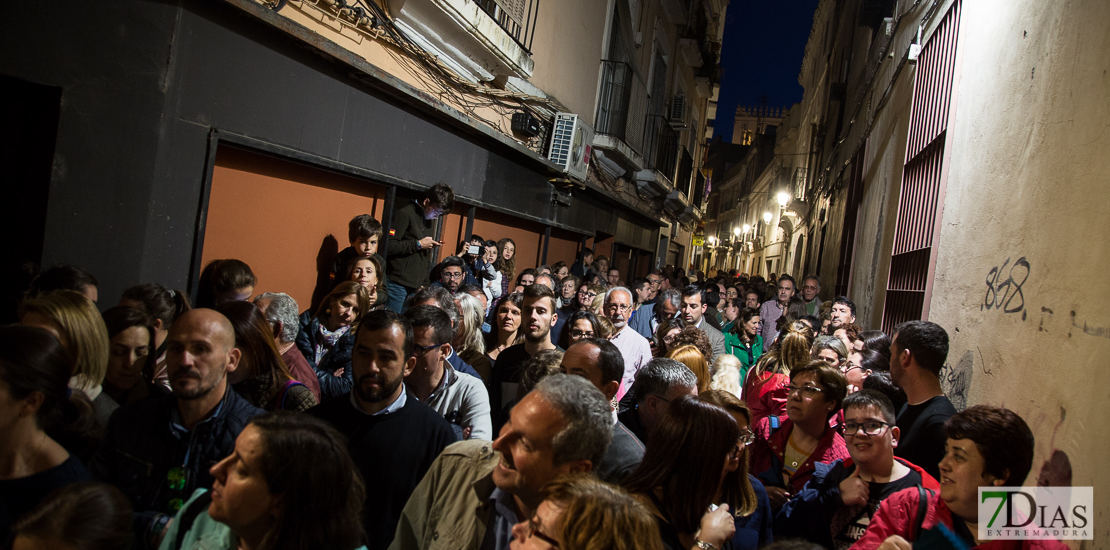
(660, 157)
(480, 40)
(619, 123)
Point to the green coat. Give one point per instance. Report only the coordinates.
(747, 355)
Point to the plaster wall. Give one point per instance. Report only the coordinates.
(567, 50)
(1023, 246)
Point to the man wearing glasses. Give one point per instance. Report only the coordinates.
(836, 505)
(461, 399)
(633, 347)
(772, 309)
(649, 316)
(451, 274)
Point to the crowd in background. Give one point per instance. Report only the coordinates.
(477, 402)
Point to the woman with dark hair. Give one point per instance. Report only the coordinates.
(743, 493)
(328, 336)
(560, 270)
(506, 263)
(784, 462)
(665, 335)
(744, 340)
(877, 341)
(36, 413)
(262, 377)
(82, 516)
(505, 330)
(162, 306)
(130, 357)
(64, 277)
(860, 366)
(224, 281)
(580, 512)
(580, 325)
(368, 272)
(290, 484)
(694, 446)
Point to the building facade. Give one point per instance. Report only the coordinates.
(180, 133)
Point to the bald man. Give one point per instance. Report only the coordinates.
(159, 450)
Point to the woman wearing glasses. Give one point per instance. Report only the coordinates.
(836, 505)
(786, 460)
(744, 494)
(579, 512)
(580, 324)
(694, 447)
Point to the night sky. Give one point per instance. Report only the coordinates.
(761, 55)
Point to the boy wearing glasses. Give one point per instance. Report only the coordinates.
(836, 505)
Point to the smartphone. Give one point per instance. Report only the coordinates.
(474, 250)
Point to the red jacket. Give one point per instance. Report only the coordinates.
(767, 456)
(897, 515)
(765, 396)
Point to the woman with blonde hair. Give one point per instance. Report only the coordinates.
(726, 375)
(692, 357)
(469, 343)
(765, 387)
(743, 493)
(327, 337)
(579, 512)
(77, 324)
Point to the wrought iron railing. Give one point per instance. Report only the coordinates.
(516, 17)
(683, 172)
(622, 103)
(660, 145)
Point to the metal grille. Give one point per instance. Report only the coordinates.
(516, 17)
(621, 105)
(914, 253)
(660, 146)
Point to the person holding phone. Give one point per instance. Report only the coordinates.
(409, 249)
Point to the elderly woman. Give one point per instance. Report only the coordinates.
(785, 461)
(328, 336)
(830, 350)
(469, 343)
(567, 292)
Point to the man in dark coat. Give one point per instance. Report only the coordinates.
(409, 252)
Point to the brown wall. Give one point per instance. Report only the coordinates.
(277, 216)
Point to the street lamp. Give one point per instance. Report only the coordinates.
(747, 228)
(783, 198)
(767, 218)
(736, 231)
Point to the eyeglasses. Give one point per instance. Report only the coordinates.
(450, 275)
(534, 531)
(848, 367)
(581, 334)
(808, 392)
(747, 437)
(588, 295)
(421, 350)
(872, 427)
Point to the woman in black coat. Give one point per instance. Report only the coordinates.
(327, 338)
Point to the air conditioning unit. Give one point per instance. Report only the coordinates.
(677, 114)
(571, 142)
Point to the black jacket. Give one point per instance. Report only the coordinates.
(339, 357)
(408, 265)
(142, 450)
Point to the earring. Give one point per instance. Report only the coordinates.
(328, 311)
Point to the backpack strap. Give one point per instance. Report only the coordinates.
(922, 507)
(189, 515)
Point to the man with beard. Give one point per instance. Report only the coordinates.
(537, 315)
(634, 348)
(393, 438)
(159, 450)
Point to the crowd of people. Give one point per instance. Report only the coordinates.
(481, 403)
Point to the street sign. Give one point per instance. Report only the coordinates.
(699, 240)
